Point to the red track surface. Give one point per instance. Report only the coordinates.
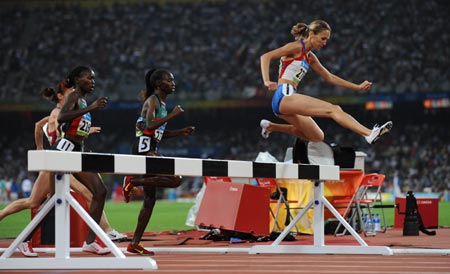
(175, 262)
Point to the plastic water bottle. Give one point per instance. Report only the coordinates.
(362, 226)
(369, 227)
(377, 222)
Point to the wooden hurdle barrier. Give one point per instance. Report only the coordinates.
(65, 163)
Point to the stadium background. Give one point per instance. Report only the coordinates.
(213, 49)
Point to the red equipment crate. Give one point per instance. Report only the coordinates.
(236, 207)
(427, 207)
(45, 234)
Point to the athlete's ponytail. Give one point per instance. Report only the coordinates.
(51, 94)
(301, 30)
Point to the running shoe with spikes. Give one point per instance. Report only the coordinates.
(139, 249)
(127, 188)
(378, 131)
(27, 249)
(114, 235)
(264, 125)
(95, 248)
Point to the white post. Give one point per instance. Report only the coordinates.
(62, 216)
(319, 226)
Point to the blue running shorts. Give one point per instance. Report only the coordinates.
(282, 90)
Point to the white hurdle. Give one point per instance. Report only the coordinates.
(64, 163)
(62, 200)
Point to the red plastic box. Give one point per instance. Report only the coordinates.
(236, 207)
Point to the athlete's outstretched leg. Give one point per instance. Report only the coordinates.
(130, 183)
(41, 189)
(302, 127)
(159, 181)
(309, 106)
(144, 217)
(303, 105)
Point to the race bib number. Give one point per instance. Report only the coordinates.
(159, 134)
(65, 145)
(84, 126)
(304, 66)
(144, 144)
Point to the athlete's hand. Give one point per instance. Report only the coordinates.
(177, 111)
(95, 130)
(100, 102)
(365, 86)
(272, 86)
(188, 130)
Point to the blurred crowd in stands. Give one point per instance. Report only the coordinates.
(416, 152)
(213, 47)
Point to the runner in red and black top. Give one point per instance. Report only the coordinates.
(150, 129)
(298, 109)
(75, 121)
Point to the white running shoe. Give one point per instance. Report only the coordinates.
(27, 249)
(264, 125)
(95, 248)
(114, 235)
(378, 131)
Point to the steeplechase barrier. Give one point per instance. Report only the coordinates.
(65, 163)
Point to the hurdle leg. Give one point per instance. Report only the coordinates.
(62, 200)
(292, 224)
(319, 201)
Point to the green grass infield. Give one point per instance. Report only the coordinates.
(167, 216)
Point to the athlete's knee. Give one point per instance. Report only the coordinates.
(334, 110)
(312, 134)
(100, 191)
(33, 203)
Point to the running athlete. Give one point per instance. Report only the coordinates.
(150, 129)
(41, 186)
(48, 126)
(298, 109)
(75, 122)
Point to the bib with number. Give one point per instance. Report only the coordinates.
(65, 145)
(294, 69)
(141, 123)
(81, 124)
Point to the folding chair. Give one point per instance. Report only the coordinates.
(364, 198)
(281, 197)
